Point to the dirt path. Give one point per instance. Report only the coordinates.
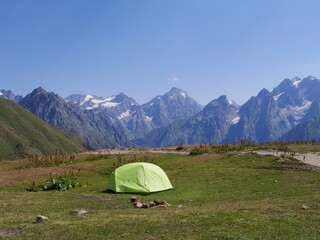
(138, 150)
(307, 158)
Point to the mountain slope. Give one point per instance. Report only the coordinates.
(263, 118)
(260, 120)
(173, 105)
(306, 131)
(94, 127)
(208, 126)
(22, 133)
(270, 115)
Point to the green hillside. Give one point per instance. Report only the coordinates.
(22, 133)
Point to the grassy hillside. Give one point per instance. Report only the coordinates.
(22, 133)
(227, 195)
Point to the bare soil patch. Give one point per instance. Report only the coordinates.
(307, 158)
(9, 232)
(115, 151)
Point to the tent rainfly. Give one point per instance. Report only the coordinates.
(138, 177)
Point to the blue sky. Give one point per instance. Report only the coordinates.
(145, 47)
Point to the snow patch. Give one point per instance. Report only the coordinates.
(300, 111)
(109, 104)
(296, 81)
(1, 93)
(149, 119)
(97, 101)
(297, 112)
(86, 99)
(235, 120)
(277, 96)
(124, 115)
(109, 99)
(183, 94)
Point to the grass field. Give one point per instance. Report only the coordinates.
(226, 195)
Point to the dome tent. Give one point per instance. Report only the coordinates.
(138, 177)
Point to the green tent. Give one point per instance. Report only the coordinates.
(139, 177)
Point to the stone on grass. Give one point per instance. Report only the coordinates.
(137, 203)
(304, 207)
(41, 218)
(79, 212)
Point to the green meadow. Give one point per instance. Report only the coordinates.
(216, 195)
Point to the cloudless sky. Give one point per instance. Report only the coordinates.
(144, 47)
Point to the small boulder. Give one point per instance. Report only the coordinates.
(41, 218)
(79, 212)
(138, 205)
(304, 207)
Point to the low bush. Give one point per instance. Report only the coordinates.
(58, 183)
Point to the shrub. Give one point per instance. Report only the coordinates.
(198, 151)
(59, 183)
(47, 160)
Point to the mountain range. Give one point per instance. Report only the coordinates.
(291, 111)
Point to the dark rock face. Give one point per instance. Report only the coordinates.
(208, 126)
(263, 118)
(95, 128)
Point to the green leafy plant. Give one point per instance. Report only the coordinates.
(58, 183)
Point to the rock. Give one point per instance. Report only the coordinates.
(41, 218)
(304, 207)
(148, 204)
(138, 205)
(180, 206)
(79, 212)
(135, 199)
(164, 204)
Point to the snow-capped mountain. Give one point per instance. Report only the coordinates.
(172, 106)
(88, 102)
(137, 120)
(263, 118)
(94, 127)
(208, 126)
